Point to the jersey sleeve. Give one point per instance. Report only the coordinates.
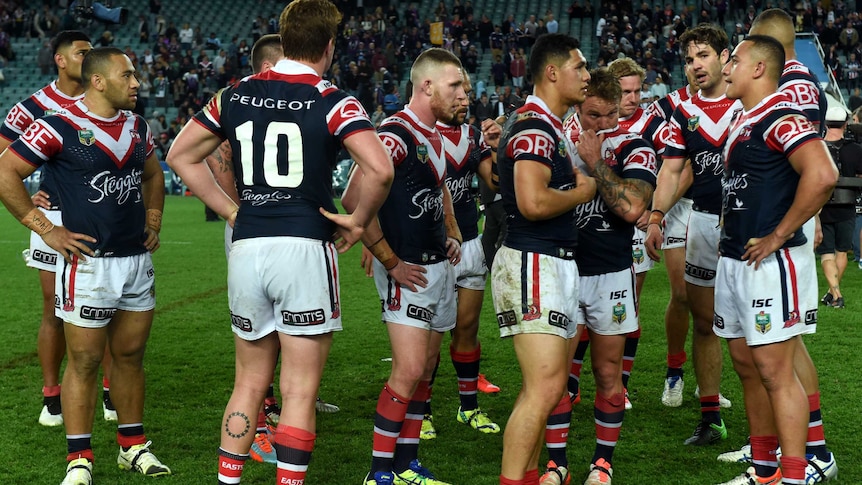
(210, 116)
(658, 129)
(532, 141)
(788, 132)
(639, 161)
(149, 143)
(660, 108)
(39, 143)
(674, 140)
(394, 139)
(16, 123)
(806, 95)
(347, 117)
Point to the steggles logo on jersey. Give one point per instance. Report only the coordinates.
(120, 187)
(595, 208)
(708, 161)
(86, 137)
(427, 200)
(256, 199)
(693, 123)
(763, 322)
(730, 185)
(459, 188)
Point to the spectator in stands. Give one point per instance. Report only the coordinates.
(483, 108)
(45, 24)
(518, 69)
(106, 39)
(242, 52)
(498, 71)
(143, 29)
(848, 39)
(213, 42)
(854, 102)
(802, 19)
(738, 35)
(551, 23)
(144, 92)
(851, 72)
(45, 59)
(186, 36)
(659, 90)
(529, 31)
(392, 101)
(833, 62)
(219, 61)
(829, 35)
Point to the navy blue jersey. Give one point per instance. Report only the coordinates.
(43, 102)
(412, 215)
(465, 151)
(802, 87)
(604, 238)
(534, 134)
(759, 182)
(664, 107)
(285, 128)
(698, 131)
(98, 165)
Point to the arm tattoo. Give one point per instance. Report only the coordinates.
(223, 156)
(237, 425)
(620, 194)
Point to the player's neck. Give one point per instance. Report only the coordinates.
(100, 107)
(756, 94)
(69, 87)
(552, 100)
(423, 112)
(715, 92)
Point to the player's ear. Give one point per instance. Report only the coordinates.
(724, 56)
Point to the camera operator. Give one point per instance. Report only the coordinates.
(102, 11)
(838, 216)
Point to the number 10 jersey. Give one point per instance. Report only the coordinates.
(285, 127)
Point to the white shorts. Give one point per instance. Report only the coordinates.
(675, 224)
(808, 229)
(701, 249)
(228, 240)
(42, 256)
(471, 272)
(771, 304)
(534, 293)
(640, 260)
(283, 284)
(88, 293)
(431, 308)
(608, 303)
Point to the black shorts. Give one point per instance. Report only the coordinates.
(837, 237)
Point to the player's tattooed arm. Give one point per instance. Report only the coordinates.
(627, 198)
(222, 157)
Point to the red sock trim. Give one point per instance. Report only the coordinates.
(296, 438)
(635, 334)
(466, 357)
(88, 454)
(261, 422)
(564, 406)
(106, 383)
(793, 468)
(510, 481)
(676, 361)
(51, 391)
(531, 477)
(585, 336)
(763, 448)
(422, 392)
(709, 404)
(127, 441)
(814, 402)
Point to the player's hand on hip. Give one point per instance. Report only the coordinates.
(367, 262)
(68, 243)
(347, 232)
(409, 275)
(152, 242)
(453, 250)
(758, 248)
(40, 199)
(654, 241)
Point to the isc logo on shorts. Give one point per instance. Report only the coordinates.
(507, 319)
(675, 240)
(311, 317)
(810, 317)
(420, 313)
(43, 257)
(241, 323)
(93, 313)
(718, 322)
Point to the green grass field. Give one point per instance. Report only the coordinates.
(190, 375)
